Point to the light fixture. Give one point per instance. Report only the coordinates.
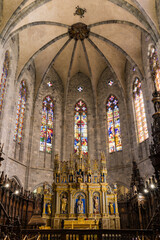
(6, 185)
(146, 190)
(152, 186)
(16, 192)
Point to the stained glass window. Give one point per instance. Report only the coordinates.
(46, 137)
(154, 66)
(80, 128)
(3, 78)
(113, 122)
(140, 111)
(20, 112)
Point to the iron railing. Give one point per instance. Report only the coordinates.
(102, 234)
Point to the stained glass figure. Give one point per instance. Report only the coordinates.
(46, 137)
(80, 128)
(154, 66)
(113, 122)
(140, 111)
(20, 112)
(3, 78)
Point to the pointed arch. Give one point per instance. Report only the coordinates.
(113, 123)
(140, 114)
(80, 128)
(154, 66)
(21, 106)
(46, 136)
(4, 78)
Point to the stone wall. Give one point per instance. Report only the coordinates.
(32, 166)
(72, 98)
(41, 163)
(118, 163)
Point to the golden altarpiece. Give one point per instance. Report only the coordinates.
(81, 196)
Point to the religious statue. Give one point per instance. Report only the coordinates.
(64, 204)
(70, 178)
(49, 209)
(95, 204)
(111, 208)
(80, 205)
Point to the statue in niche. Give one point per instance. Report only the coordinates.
(111, 208)
(80, 205)
(49, 209)
(64, 201)
(95, 204)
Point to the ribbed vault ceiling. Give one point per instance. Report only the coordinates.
(115, 35)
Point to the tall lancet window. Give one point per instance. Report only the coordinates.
(20, 112)
(140, 111)
(154, 66)
(113, 122)
(46, 137)
(80, 128)
(3, 78)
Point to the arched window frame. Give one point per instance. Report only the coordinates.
(4, 78)
(140, 115)
(21, 106)
(113, 124)
(154, 66)
(80, 128)
(46, 136)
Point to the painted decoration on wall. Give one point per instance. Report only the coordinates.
(96, 203)
(80, 128)
(154, 66)
(140, 111)
(46, 136)
(20, 112)
(80, 204)
(4, 78)
(113, 121)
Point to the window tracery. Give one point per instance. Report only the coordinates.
(113, 122)
(20, 112)
(4, 78)
(80, 128)
(154, 66)
(46, 136)
(140, 111)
